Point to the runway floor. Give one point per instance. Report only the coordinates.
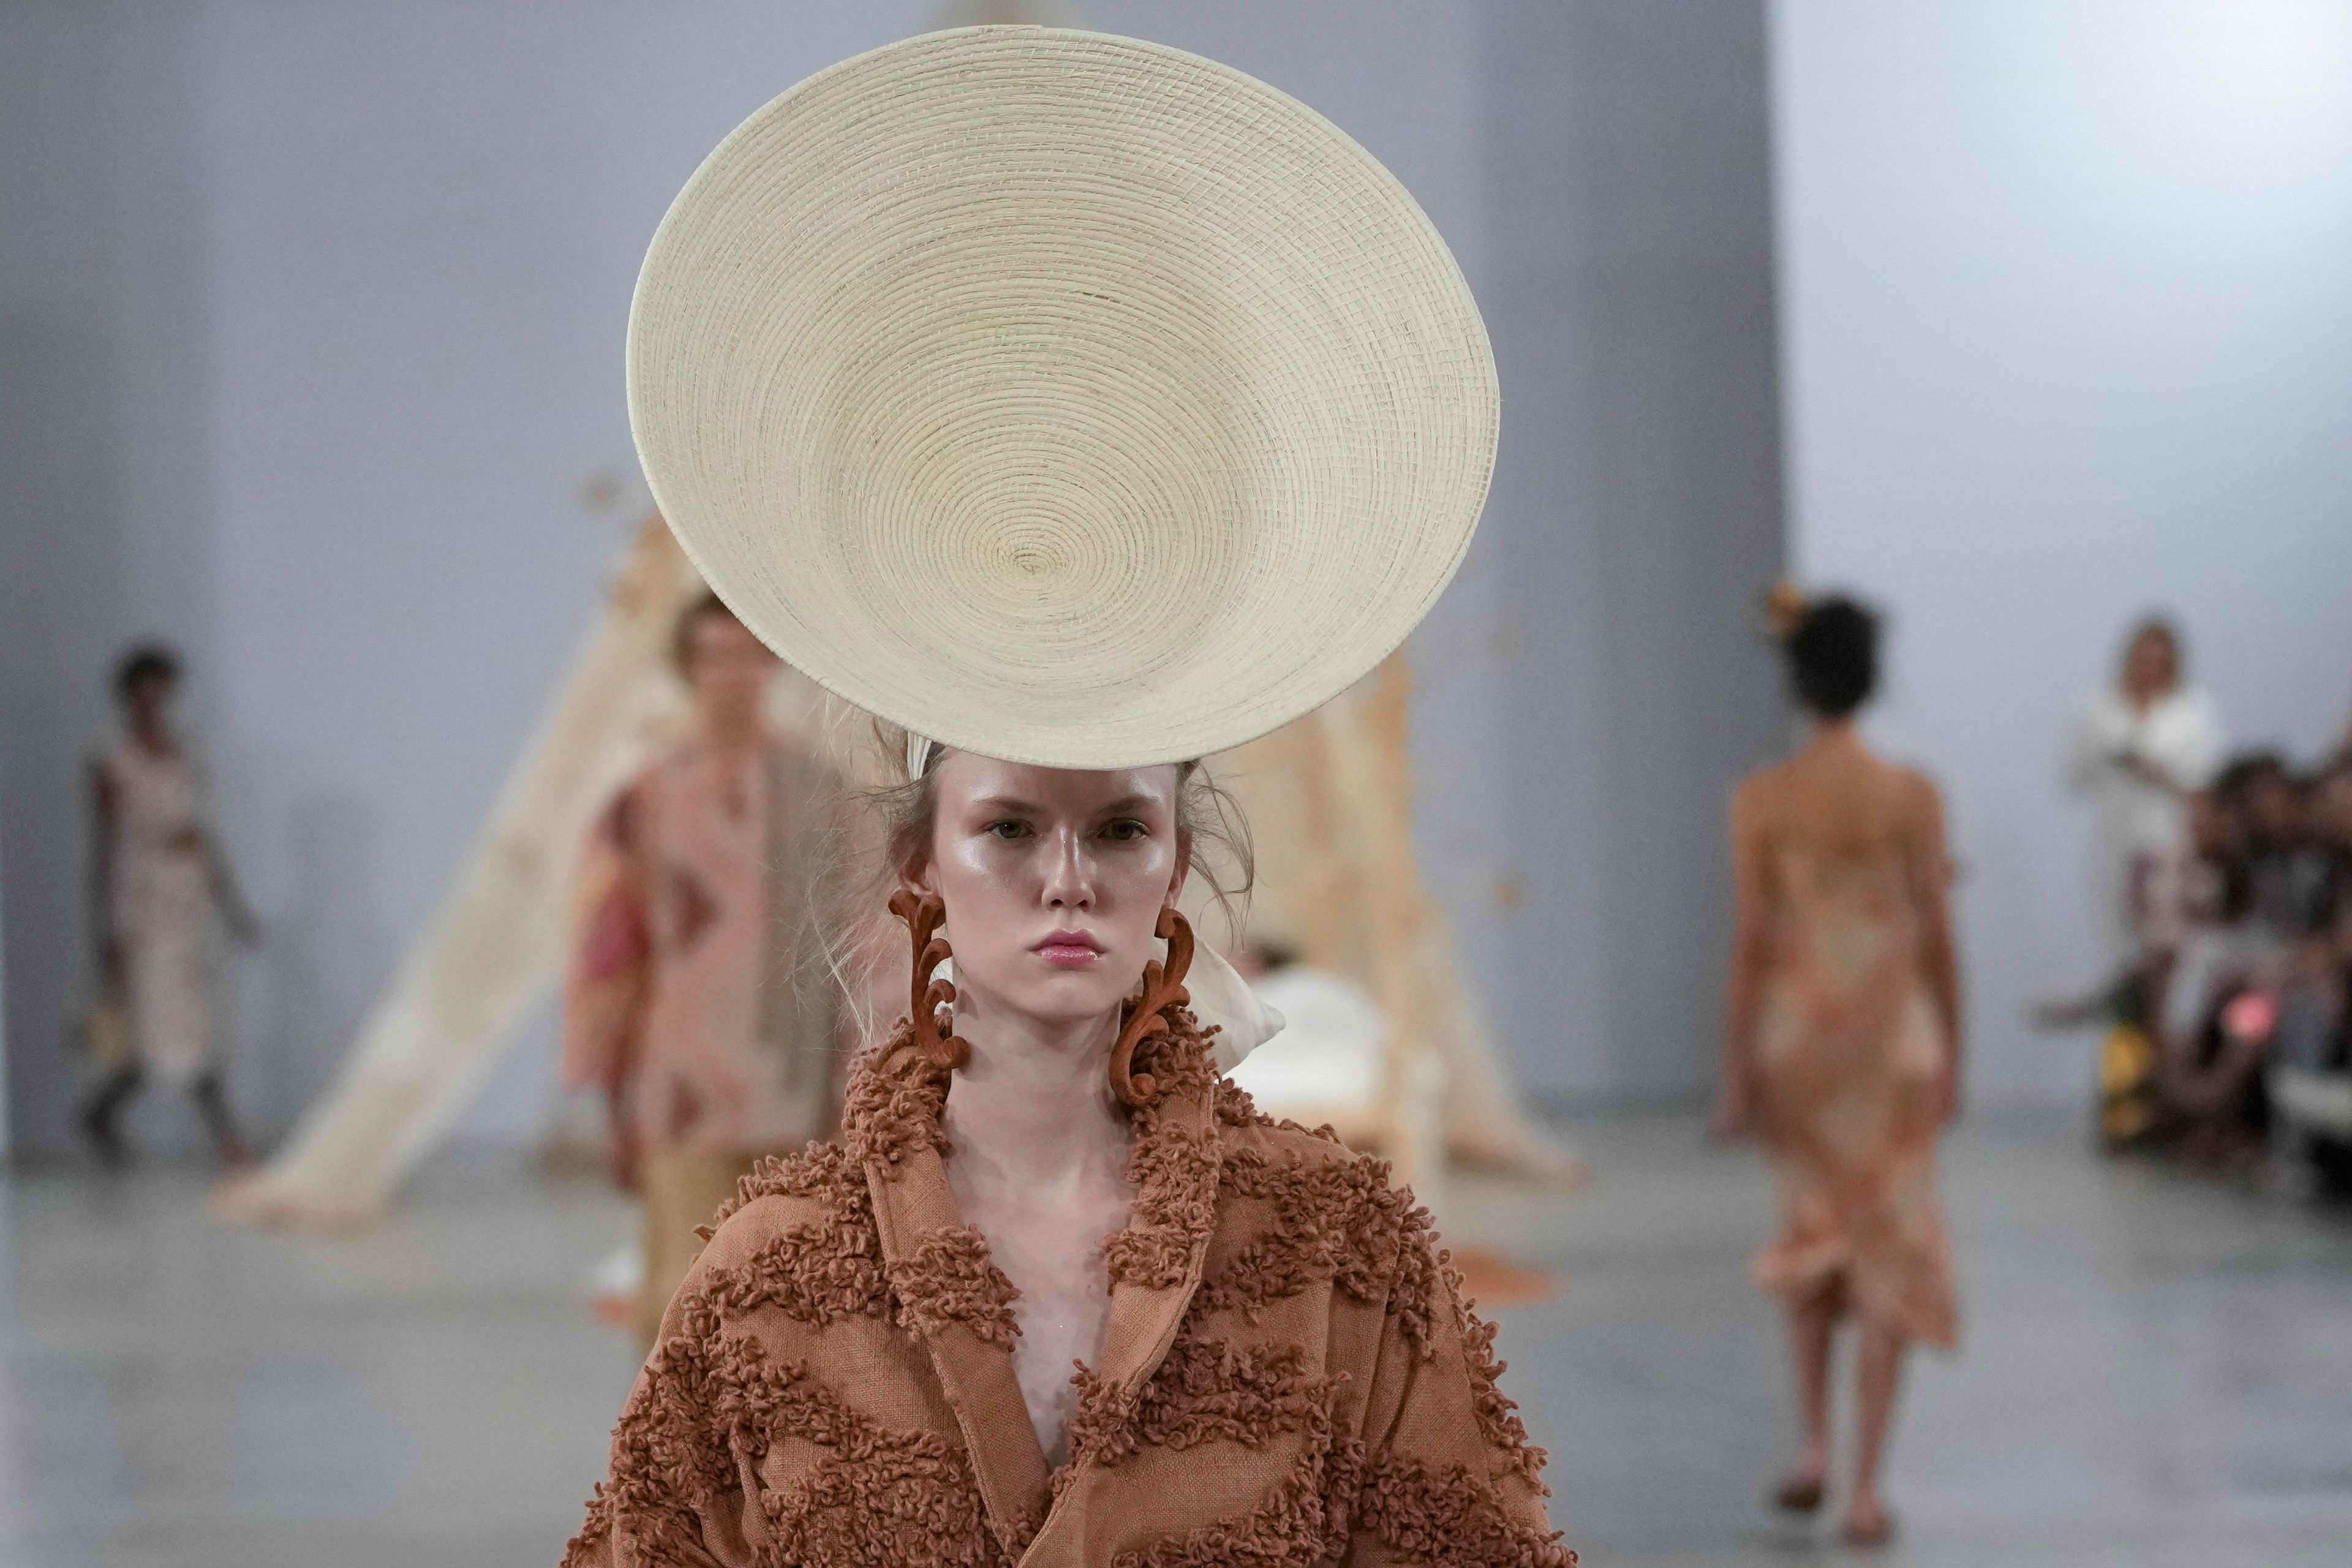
(2157, 1371)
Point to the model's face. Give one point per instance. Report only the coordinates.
(1053, 880)
(148, 704)
(2275, 808)
(2212, 829)
(727, 669)
(2331, 805)
(2152, 663)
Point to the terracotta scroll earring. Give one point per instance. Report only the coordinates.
(1146, 1016)
(940, 1045)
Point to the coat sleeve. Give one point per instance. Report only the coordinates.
(608, 974)
(682, 1491)
(1447, 1473)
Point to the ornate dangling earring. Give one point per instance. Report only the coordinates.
(1146, 1016)
(924, 914)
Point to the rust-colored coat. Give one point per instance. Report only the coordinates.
(1288, 1374)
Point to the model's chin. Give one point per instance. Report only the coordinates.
(1068, 995)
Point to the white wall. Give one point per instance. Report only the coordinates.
(1636, 515)
(2067, 328)
(309, 326)
(314, 346)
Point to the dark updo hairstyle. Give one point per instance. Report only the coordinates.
(1833, 656)
(146, 662)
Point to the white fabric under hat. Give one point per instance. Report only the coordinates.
(1070, 399)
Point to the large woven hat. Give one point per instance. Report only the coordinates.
(1065, 398)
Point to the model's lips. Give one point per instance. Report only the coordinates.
(1068, 949)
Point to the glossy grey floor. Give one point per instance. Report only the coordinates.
(2158, 1372)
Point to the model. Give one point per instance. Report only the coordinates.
(698, 999)
(1086, 407)
(1843, 1047)
(160, 894)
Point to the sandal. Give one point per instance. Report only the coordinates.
(1798, 1494)
(1874, 1530)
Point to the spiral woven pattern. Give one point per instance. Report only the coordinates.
(1066, 398)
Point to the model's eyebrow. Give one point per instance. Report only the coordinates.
(1014, 805)
(1129, 804)
(1008, 802)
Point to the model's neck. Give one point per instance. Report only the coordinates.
(730, 732)
(1032, 1105)
(1836, 734)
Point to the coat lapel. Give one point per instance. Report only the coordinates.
(951, 1296)
(953, 1299)
(915, 1214)
(1155, 1263)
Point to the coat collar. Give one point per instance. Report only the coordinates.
(953, 1299)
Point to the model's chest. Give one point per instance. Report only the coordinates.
(888, 1442)
(1052, 1254)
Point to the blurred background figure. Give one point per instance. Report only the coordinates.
(2311, 1078)
(159, 892)
(2211, 982)
(1842, 1050)
(2256, 990)
(2132, 1109)
(2140, 747)
(697, 999)
(2236, 1000)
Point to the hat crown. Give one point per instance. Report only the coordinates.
(1067, 398)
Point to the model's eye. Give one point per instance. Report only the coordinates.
(1126, 830)
(1007, 828)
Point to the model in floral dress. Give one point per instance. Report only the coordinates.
(161, 895)
(1841, 1048)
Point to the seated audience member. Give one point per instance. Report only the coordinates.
(2288, 863)
(2245, 987)
(2206, 895)
(2311, 1085)
(2328, 816)
(2217, 1007)
(2312, 1058)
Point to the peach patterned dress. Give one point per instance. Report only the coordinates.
(1849, 1056)
(161, 907)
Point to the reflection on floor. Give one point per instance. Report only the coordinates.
(2157, 1371)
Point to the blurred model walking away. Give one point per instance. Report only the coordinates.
(1842, 1048)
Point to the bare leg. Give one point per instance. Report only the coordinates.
(1881, 1378)
(99, 1112)
(228, 1143)
(1812, 1324)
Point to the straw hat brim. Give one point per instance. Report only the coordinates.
(1066, 398)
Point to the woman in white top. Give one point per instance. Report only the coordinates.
(2139, 750)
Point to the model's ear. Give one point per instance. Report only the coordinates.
(916, 877)
(1183, 870)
